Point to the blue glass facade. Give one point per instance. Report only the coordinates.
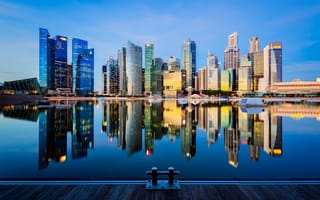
(148, 56)
(85, 72)
(134, 69)
(78, 46)
(53, 68)
(43, 57)
(60, 63)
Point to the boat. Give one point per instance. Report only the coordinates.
(252, 102)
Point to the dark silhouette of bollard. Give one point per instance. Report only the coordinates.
(154, 174)
(170, 175)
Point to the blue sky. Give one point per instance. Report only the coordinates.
(107, 25)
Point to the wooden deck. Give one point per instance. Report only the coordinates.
(137, 191)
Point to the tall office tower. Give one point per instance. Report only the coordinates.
(228, 77)
(189, 62)
(173, 63)
(148, 56)
(232, 54)
(78, 46)
(213, 72)
(112, 79)
(156, 76)
(202, 79)
(258, 65)
(85, 72)
(122, 57)
(254, 45)
(272, 55)
(53, 67)
(104, 79)
(245, 74)
(134, 69)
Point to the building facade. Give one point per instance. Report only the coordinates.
(78, 45)
(174, 82)
(213, 72)
(134, 69)
(53, 67)
(156, 76)
(228, 80)
(85, 72)
(232, 55)
(148, 58)
(122, 59)
(189, 62)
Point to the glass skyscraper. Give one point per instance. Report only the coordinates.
(53, 67)
(189, 62)
(156, 76)
(85, 72)
(148, 56)
(78, 46)
(134, 69)
(122, 55)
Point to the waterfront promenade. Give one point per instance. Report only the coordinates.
(137, 191)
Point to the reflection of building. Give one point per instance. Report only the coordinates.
(122, 124)
(82, 136)
(272, 134)
(134, 127)
(188, 136)
(53, 127)
(231, 134)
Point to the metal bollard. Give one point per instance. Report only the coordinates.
(154, 174)
(170, 175)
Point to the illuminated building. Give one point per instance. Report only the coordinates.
(189, 62)
(53, 56)
(104, 79)
(85, 72)
(78, 45)
(134, 69)
(112, 77)
(174, 82)
(148, 57)
(213, 121)
(188, 136)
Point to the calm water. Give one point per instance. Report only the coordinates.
(123, 139)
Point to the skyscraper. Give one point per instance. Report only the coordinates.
(254, 44)
(189, 62)
(85, 72)
(148, 56)
(272, 54)
(104, 79)
(78, 45)
(156, 76)
(112, 77)
(53, 68)
(213, 72)
(232, 56)
(134, 69)
(122, 57)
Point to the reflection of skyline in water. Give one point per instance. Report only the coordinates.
(134, 123)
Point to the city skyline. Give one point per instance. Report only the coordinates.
(167, 28)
